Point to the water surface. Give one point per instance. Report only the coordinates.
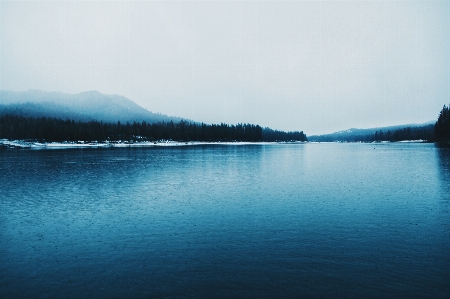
(274, 220)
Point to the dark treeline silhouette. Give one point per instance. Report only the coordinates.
(439, 132)
(275, 135)
(409, 133)
(442, 126)
(56, 129)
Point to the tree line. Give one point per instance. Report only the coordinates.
(408, 133)
(16, 127)
(439, 132)
(442, 126)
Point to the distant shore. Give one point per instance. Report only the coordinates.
(25, 144)
(22, 144)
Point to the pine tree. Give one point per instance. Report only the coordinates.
(442, 126)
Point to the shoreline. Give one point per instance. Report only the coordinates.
(22, 144)
(35, 145)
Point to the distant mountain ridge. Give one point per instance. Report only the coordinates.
(355, 134)
(84, 106)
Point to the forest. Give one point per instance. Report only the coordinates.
(393, 134)
(19, 127)
(16, 127)
(438, 132)
(442, 126)
(408, 133)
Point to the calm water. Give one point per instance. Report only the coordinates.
(285, 221)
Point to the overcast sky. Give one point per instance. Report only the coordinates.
(316, 66)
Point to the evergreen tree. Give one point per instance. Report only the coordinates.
(442, 126)
(53, 129)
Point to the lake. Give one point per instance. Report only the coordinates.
(214, 221)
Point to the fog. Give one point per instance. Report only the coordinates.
(316, 66)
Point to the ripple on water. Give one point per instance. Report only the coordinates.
(312, 220)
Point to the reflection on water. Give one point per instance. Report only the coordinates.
(443, 154)
(313, 220)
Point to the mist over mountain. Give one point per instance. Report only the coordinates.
(355, 134)
(85, 106)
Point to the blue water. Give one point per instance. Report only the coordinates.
(275, 221)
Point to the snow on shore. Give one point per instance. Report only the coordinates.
(81, 144)
(413, 141)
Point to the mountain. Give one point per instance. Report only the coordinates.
(354, 134)
(85, 106)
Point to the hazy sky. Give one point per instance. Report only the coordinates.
(316, 66)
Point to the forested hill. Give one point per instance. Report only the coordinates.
(392, 133)
(438, 131)
(85, 106)
(16, 127)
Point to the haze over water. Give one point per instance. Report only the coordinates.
(274, 220)
(312, 66)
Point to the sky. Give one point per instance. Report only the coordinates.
(312, 66)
